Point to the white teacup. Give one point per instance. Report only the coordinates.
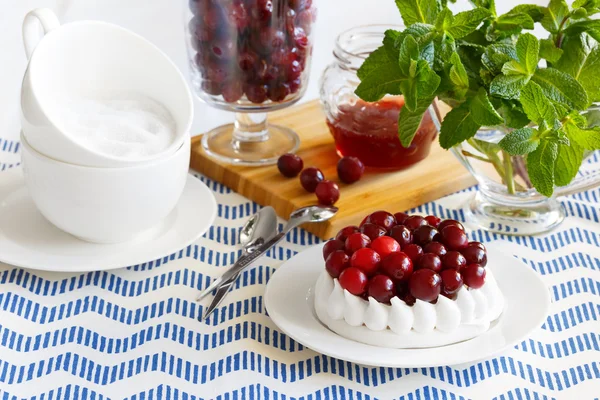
(105, 205)
(85, 58)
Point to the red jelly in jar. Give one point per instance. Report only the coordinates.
(369, 131)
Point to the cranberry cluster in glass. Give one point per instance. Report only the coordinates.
(256, 48)
(408, 256)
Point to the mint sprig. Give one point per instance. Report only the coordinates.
(492, 72)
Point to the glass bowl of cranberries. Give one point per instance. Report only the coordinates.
(369, 131)
(250, 57)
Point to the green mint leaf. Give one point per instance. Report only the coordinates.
(386, 54)
(589, 139)
(487, 4)
(514, 68)
(496, 55)
(528, 52)
(445, 45)
(458, 126)
(534, 11)
(415, 11)
(540, 166)
(382, 81)
(409, 91)
(458, 76)
(591, 26)
(591, 6)
(508, 86)
(408, 52)
(568, 162)
(467, 21)
(549, 51)
(509, 24)
(514, 116)
(444, 20)
(482, 110)
(561, 88)
(535, 104)
(557, 136)
(409, 121)
(520, 142)
(554, 15)
(581, 60)
(427, 80)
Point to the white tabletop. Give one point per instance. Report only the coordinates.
(161, 22)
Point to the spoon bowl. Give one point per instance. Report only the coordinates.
(312, 214)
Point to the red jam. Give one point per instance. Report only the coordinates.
(369, 131)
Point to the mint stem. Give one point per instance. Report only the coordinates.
(509, 174)
(560, 36)
(475, 156)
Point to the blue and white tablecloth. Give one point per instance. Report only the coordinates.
(134, 333)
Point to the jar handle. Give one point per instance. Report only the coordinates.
(589, 180)
(46, 18)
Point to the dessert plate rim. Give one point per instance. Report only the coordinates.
(36, 244)
(289, 302)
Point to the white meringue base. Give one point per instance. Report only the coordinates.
(403, 327)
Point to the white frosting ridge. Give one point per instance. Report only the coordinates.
(401, 326)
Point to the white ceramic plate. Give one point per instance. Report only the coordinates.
(28, 240)
(289, 301)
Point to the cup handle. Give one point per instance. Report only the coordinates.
(43, 16)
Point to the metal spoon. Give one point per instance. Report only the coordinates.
(259, 228)
(301, 216)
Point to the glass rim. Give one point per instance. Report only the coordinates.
(344, 39)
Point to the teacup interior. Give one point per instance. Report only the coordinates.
(92, 58)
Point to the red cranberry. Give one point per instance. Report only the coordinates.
(478, 245)
(450, 222)
(300, 4)
(433, 220)
(290, 165)
(474, 275)
(452, 281)
(454, 260)
(425, 285)
(331, 246)
(239, 16)
(310, 178)
(345, 232)
(279, 91)
(414, 221)
(435, 248)
(350, 169)
(382, 288)
(353, 280)
(295, 85)
(336, 263)
(263, 10)
(356, 241)
(414, 251)
(271, 39)
(474, 255)
(247, 60)
(430, 261)
(454, 238)
(409, 299)
(372, 231)
(290, 21)
(257, 94)
(232, 91)
(224, 49)
(300, 38)
(424, 234)
(367, 260)
(383, 219)
(305, 20)
(385, 246)
(401, 217)
(210, 87)
(402, 235)
(294, 70)
(327, 193)
(216, 72)
(451, 296)
(213, 18)
(397, 266)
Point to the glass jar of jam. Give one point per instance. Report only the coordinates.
(365, 130)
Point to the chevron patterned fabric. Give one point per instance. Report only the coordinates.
(134, 333)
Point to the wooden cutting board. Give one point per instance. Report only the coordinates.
(440, 174)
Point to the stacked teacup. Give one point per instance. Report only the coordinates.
(105, 128)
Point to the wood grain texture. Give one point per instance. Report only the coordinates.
(440, 174)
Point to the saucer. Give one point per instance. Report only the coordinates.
(28, 240)
(289, 299)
